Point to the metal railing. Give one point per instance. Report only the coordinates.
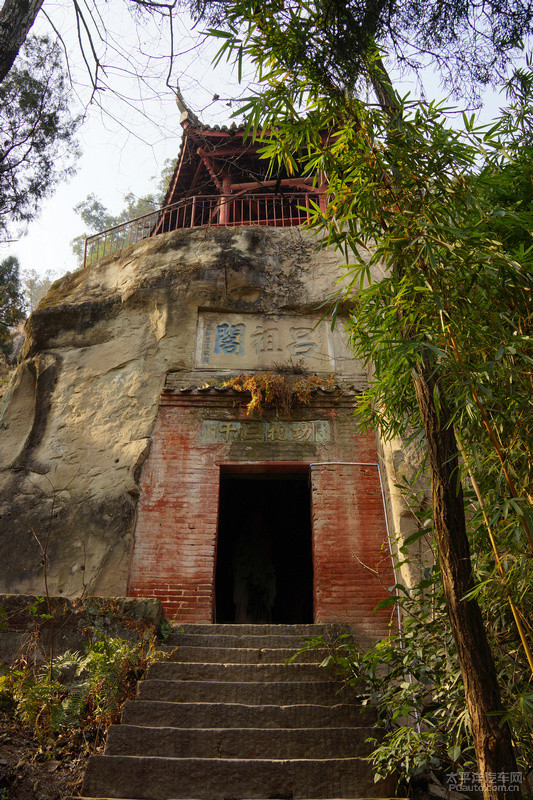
(279, 210)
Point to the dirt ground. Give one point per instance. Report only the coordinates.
(26, 773)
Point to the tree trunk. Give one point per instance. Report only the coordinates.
(492, 740)
(16, 19)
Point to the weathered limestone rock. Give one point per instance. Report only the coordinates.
(408, 496)
(77, 419)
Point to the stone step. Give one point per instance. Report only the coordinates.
(129, 740)
(226, 717)
(257, 641)
(249, 693)
(260, 629)
(214, 778)
(237, 673)
(238, 715)
(243, 655)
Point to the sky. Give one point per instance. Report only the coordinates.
(124, 139)
(134, 124)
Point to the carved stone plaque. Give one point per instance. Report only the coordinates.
(254, 341)
(314, 431)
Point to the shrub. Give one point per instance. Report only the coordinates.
(74, 702)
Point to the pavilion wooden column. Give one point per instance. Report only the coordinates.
(225, 201)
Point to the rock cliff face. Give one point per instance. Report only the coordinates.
(77, 419)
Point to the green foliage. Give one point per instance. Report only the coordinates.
(94, 214)
(37, 131)
(165, 630)
(164, 180)
(330, 42)
(98, 218)
(34, 287)
(11, 300)
(71, 705)
(413, 679)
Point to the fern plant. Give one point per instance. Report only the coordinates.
(74, 702)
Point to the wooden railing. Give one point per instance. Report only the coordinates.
(279, 210)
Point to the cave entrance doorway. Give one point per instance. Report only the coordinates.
(264, 570)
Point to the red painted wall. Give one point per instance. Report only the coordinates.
(175, 541)
(350, 547)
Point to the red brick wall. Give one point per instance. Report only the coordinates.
(175, 537)
(352, 562)
(175, 543)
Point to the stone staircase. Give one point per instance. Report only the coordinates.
(227, 718)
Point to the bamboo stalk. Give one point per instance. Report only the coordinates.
(499, 565)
